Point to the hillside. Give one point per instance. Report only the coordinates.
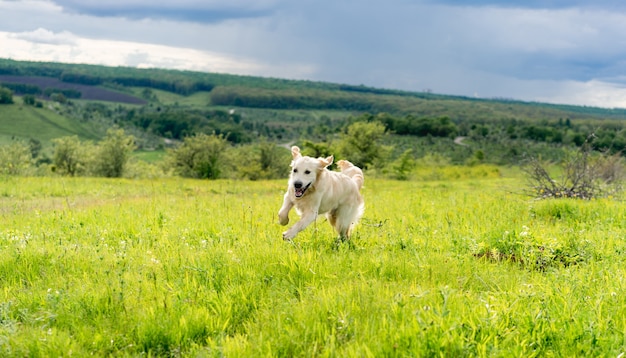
(273, 93)
(43, 124)
(158, 103)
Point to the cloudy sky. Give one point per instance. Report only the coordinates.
(558, 51)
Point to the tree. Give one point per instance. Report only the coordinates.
(361, 143)
(68, 155)
(6, 96)
(200, 156)
(113, 153)
(58, 97)
(403, 166)
(263, 160)
(316, 150)
(15, 158)
(29, 99)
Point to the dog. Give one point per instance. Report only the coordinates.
(352, 171)
(315, 190)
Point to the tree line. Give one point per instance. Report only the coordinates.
(179, 86)
(34, 90)
(175, 123)
(290, 99)
(201, 155)
(174, 84)
(72, 157)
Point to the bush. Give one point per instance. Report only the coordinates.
(15, 159)
(583, 176)
(264, 160)
(200, 156)
(361, 144)
(29, 99)
(69, 155)
(6, 96)
(403, 166)
(113, 153)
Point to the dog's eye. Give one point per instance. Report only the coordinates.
(307, 172)
(295, 170)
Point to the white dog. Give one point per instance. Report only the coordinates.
(314, 190)
(352, 171)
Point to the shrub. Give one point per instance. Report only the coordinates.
(584, 176)
(200, 156)
(69, 155)
(113, 153)
(15, 159)
(6, 96)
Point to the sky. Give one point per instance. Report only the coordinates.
(554, 51)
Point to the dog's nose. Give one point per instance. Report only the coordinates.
(297, 185)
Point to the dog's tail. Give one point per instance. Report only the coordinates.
(352, 171)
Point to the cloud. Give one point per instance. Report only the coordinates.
(532, 50)
(537, 4)
(209, 11)
(44, 36)
(135, 54)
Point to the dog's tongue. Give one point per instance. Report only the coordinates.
(299, 192)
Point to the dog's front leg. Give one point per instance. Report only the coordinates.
(304, 221)
(283, 213)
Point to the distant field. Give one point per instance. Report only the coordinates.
(198, 99)
(19, 122)
(150, 156)
(175, 267)
(87, 92)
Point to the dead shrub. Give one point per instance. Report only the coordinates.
(585, 174)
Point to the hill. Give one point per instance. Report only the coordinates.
(157, 103)
(273, 93)
(41, 124)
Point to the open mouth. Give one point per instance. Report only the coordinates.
(300, 191)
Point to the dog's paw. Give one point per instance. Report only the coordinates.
(288, 235)
(283, 220)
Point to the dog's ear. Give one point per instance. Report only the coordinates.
(325, 162)
(295, 152)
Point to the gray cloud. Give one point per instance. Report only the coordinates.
(526, 50)
(184, 10)
(538, 4)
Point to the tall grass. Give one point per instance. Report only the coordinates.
(198, 268)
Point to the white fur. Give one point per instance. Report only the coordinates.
(352, 171)
(327, 192)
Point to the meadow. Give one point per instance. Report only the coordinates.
(179, 267)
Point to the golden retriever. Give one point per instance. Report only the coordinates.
(315, 190)
(352, 171)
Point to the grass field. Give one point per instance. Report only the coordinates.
(87, 92)
(20, 122)
(150, 156)
(198, 268)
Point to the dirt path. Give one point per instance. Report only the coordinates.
(459, 140)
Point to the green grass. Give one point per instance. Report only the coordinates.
(198, 268)
(150, 156)
(44, 124)
(199, 99)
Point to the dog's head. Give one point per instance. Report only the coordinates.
(305, 171)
